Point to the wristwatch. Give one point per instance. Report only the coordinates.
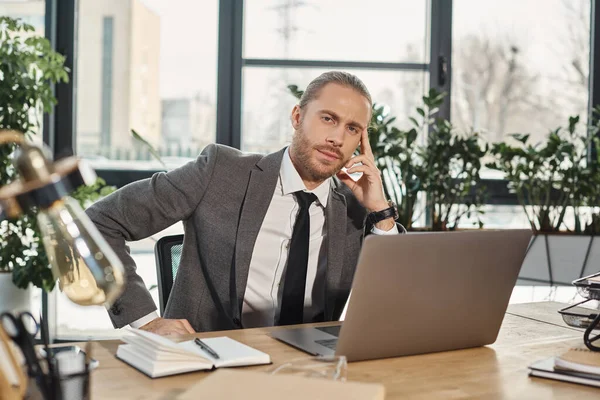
(378, 216)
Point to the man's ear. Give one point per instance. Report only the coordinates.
(296, 116)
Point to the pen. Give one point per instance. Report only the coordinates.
(206, 348)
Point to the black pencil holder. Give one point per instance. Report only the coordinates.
(71, 387)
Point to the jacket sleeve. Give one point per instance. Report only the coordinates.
(144, 208)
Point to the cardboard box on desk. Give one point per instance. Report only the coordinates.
(249, 385)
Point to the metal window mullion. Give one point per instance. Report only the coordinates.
(65, 31)
(50, 33)
(334, 64)
(58, 126)
(594, 76)
(441, 51)
(229, 76)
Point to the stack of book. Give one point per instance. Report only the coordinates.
(578, 365)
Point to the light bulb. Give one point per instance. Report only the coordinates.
(87, 269)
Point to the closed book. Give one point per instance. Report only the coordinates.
(157, 356)
(579, 359)
(546, 369)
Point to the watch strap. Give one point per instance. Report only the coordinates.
(378, 216)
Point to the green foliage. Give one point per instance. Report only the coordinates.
(450, 168)
(22, 252)
(86, 195)
(147, 144)
(396, 157)
(28, 69)
(297, 93)
(551, 176)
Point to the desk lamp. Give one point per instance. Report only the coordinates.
(88, 270)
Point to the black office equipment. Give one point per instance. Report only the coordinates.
(22, 328)
(589, 288)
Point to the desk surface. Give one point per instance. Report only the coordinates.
(529, 333)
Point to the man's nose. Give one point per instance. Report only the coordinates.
(336, 136)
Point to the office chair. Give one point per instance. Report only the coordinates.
(168, 255)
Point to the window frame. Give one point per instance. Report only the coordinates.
(59, 127)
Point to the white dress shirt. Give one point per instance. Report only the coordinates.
(262, 298)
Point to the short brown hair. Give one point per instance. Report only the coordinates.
(339, 77)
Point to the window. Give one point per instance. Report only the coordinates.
(267, 103)
(350, 30)
(32, 12)
(519, 66)
(147, 65)
(383, 42)
(150, 66)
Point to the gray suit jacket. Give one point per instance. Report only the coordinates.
(222, 198)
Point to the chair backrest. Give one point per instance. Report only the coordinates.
(168, 255)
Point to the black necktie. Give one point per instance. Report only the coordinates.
(292, 302)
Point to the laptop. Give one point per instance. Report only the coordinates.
(421, 293)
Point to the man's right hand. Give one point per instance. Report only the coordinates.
(169, 327)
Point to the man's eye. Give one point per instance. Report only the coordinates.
(326, 119)
(353, 129)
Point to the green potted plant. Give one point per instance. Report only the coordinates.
(450, 168)
(28, 69)
(396, 156)
(555, 181)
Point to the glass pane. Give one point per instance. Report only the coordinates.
(32, 12)
(519, 66)
(352, 30)
(498, 217)
(267, 103)
(137, 69)
(513, 217)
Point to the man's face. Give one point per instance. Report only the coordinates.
(327, 131)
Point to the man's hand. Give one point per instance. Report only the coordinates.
(169, 327)
(369, 188)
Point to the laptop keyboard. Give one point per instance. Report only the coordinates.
(329, 343)
(332, 330)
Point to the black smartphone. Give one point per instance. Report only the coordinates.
(75, 349)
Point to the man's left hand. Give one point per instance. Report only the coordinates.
(369, 188)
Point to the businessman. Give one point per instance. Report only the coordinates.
(269, 240)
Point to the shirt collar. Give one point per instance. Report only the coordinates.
(292, 182)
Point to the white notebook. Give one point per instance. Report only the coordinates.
(158, 356)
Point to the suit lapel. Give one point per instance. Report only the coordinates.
(336, 237)
(259, 192)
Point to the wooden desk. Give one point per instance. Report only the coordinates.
(496, 371)
(546, 312)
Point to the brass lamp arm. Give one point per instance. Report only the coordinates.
(11, 136)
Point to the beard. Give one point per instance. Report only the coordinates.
(313, 169)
